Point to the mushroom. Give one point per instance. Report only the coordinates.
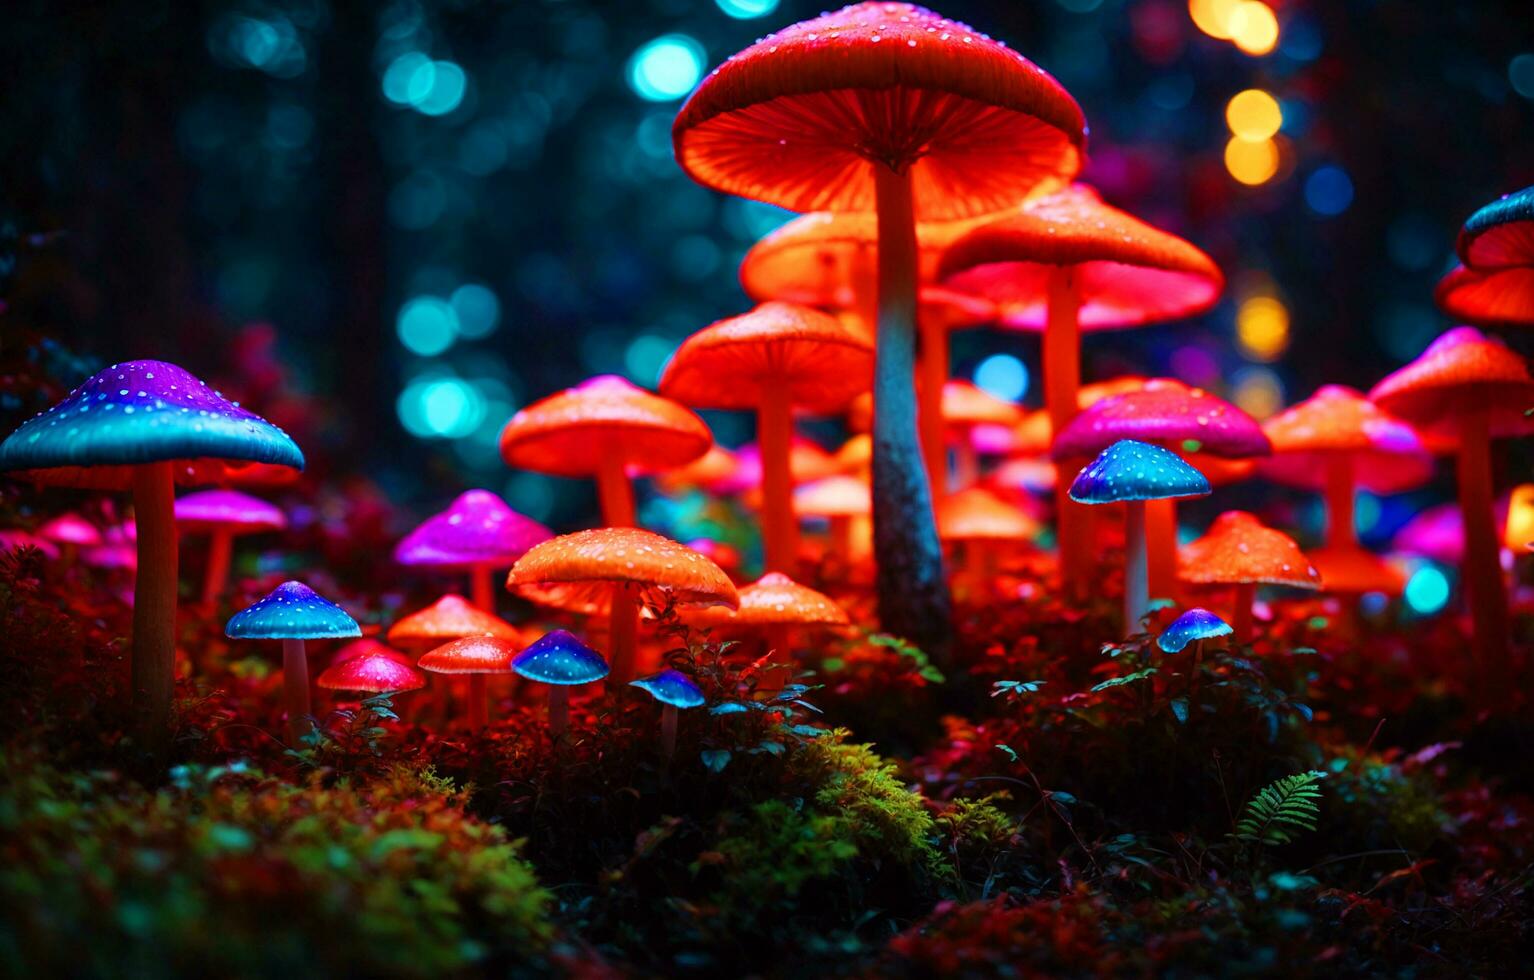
(1167, 413)
(966, 407)
(1495, 286)
(1470, 386)
(146, 426)
(1194, 626)
(70, 532)
(451, 618)
(1238, 550)
(1336, 441)
(843, 501)
(560, 661)
(774, 605)
(889, 108)
(293, 613)
(708, 472)
(1070, 263)
(981, 524)
(674, 690)
(371, 673)
(477, 656)
(614, 570)
(772, 359)
(806, 461)
(1133, 472)
(600, 428)
(366, 647)
(477, 533)
(223, 515)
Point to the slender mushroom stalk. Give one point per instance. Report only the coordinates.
(615, 492)
(223, 515)
(560, 661)
(295, 688)
(220, 551)
(1161, 547)
(559, 709)
(775, 424)
(1194, 626)
(1483, 571)
(1062, 379)
(1242, 611)
(154, 605)
(913, 593)
(934, 375)
(623, 632)
(481, 588)
(1136, 581)
(1341, 530)
(674, 690)
(668, 717)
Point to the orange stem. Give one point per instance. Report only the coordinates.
(220, 549)
(1340, 527)
(481, 589)
(775, 428)
(616, 493)
(1062, 378)
(1161, 547)
(623, 633)
(1241, 616)
(479, 701)
(934, 373)
(154, 606)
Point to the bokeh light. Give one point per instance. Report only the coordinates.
(1213, 16)
(1427, 591)
(477, 309)
(427, 325)
(1520, 74)
(1253, 27)
(1253, 115)
(645, 356)
(1262, 328)
(1329, 191)
(1004, 376)
(747, 9)
(666, 68)
(1258, 392)
(1251, 163)
(433, 88)
(440, 407)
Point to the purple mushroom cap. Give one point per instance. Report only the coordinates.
(230, 510)
(1439, 533)
(1165, 413)
(478, 529)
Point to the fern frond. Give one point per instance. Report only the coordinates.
(1281, 809)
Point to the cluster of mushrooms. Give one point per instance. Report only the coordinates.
(935, 171)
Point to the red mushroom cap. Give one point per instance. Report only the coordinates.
(1354, 571)
(1388, 454)
(776, 600)
(472, 655)
(800, 118)
(372, 674)
(1462, 372)
(450, 617)
(367, 647)
(1239, 549)
(1493, 297)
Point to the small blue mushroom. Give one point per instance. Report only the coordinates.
(293, 613)
(561, 661)
(1193, 626)
(674, 690)
(1132, 472)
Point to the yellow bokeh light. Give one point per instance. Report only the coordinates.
(1262, 328)
(1253, 115)
(1251, 162)
(1253, 27)
(1213, 16)
(1518, 533)
(1258, 393)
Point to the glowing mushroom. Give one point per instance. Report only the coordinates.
(560, 661)
(599, 429)
(615, 570)
(966, 407)
(70, 532)
(1238, 550)
(224, 515)
(1194, 626)
(478, 533)
(293, 613)
(674, 690)
(452, 618)
(1167, 413)
(1070, 263)
(1131, 473)
(1337, 441)
(772, 359)
(1495, 286)
(371, 673)
(774, 606)
(1473, 387)
(889, 108)
(843, 501)
(478, 657)
(146, 426)
(981, 524)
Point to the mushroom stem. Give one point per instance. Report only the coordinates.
(774, 433)
(668, 731)
(1161, 547)
(1136, 587)
(1241, 616)
(220, 548)
(479, 701)
(1482, 572)
(295, 686)
(841, 537)
(559, 709)
(623, 633)
(1340, 528)
(1198, 668)
(934, 374)
(481, 588)
(1062, 377)
(966, 463)
(984, 560)
(913, 594)
(154, 605)
(616, 493)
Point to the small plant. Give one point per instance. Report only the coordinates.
(1281, 809)
(349, 739)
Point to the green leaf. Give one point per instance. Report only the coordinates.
(1133, 678)
(1011, 752)
(1281, 809)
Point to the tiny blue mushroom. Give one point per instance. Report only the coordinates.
(1132, 472)
(560, 661)
(293, 613)
(146, 426)
(674, 690)
(1194, 626)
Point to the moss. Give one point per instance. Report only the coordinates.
(228, 872)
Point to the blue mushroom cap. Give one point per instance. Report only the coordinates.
(1195, 624)
(1517, 206)
(1132, 470)
(293, 611)
(671, 687)
(557, 657)
(142, 412)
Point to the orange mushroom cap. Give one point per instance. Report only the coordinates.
(1025, 475)
(834, 496)
(450, 617)
(1128, 273)
(714, 467)
(1339, 421)
(1490, 297)
(806, 461)
(776, 600)
(967, 404)
(729, 363)
(1518, 529)
(1462, 372)
(574, 572)
(573, 432)
(800, 118)
(856, 455)
(977, 514)
(472, 655)
(1238, 549)
(1354, 571)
